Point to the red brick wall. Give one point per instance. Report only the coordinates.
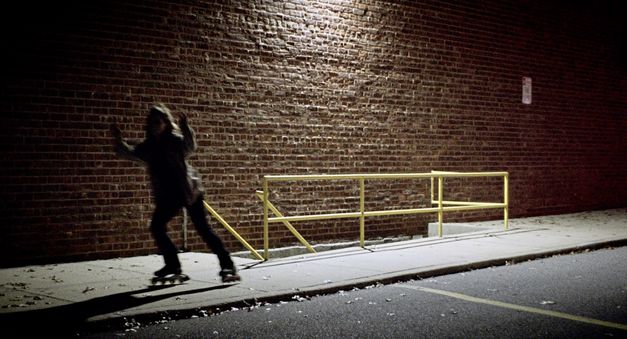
(300, 87)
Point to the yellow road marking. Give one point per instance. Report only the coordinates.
(519, 307)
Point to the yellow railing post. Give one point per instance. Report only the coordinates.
(289, 225)
(362, 217)
(266, 241)
(440, 205)
(506, 201)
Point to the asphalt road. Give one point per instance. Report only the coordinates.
(580, 295)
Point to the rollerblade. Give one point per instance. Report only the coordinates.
(169, 275)
(229, 275)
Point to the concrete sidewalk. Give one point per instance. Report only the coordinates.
(118, 290)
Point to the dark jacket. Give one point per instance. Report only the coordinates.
(174, 182)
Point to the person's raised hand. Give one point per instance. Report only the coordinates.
(115, 131)
(183, 118)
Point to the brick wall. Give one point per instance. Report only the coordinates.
(302, 87)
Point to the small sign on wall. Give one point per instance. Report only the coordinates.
(526, 90)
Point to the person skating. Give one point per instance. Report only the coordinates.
(175, 184)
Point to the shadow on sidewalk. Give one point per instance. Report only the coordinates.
(68, 320)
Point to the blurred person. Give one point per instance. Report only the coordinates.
(175, 184)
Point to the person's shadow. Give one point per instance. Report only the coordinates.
(71, 319)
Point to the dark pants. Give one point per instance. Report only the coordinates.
(158, 226)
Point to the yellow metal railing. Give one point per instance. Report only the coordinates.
(442, 205)
(232, 231)
(287, 223)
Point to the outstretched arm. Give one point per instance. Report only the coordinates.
(123, 149)
(189, 137)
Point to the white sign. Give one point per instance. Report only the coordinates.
(526, 90)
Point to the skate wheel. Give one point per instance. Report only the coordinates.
(231, 278)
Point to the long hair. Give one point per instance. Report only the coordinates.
(161, 111)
